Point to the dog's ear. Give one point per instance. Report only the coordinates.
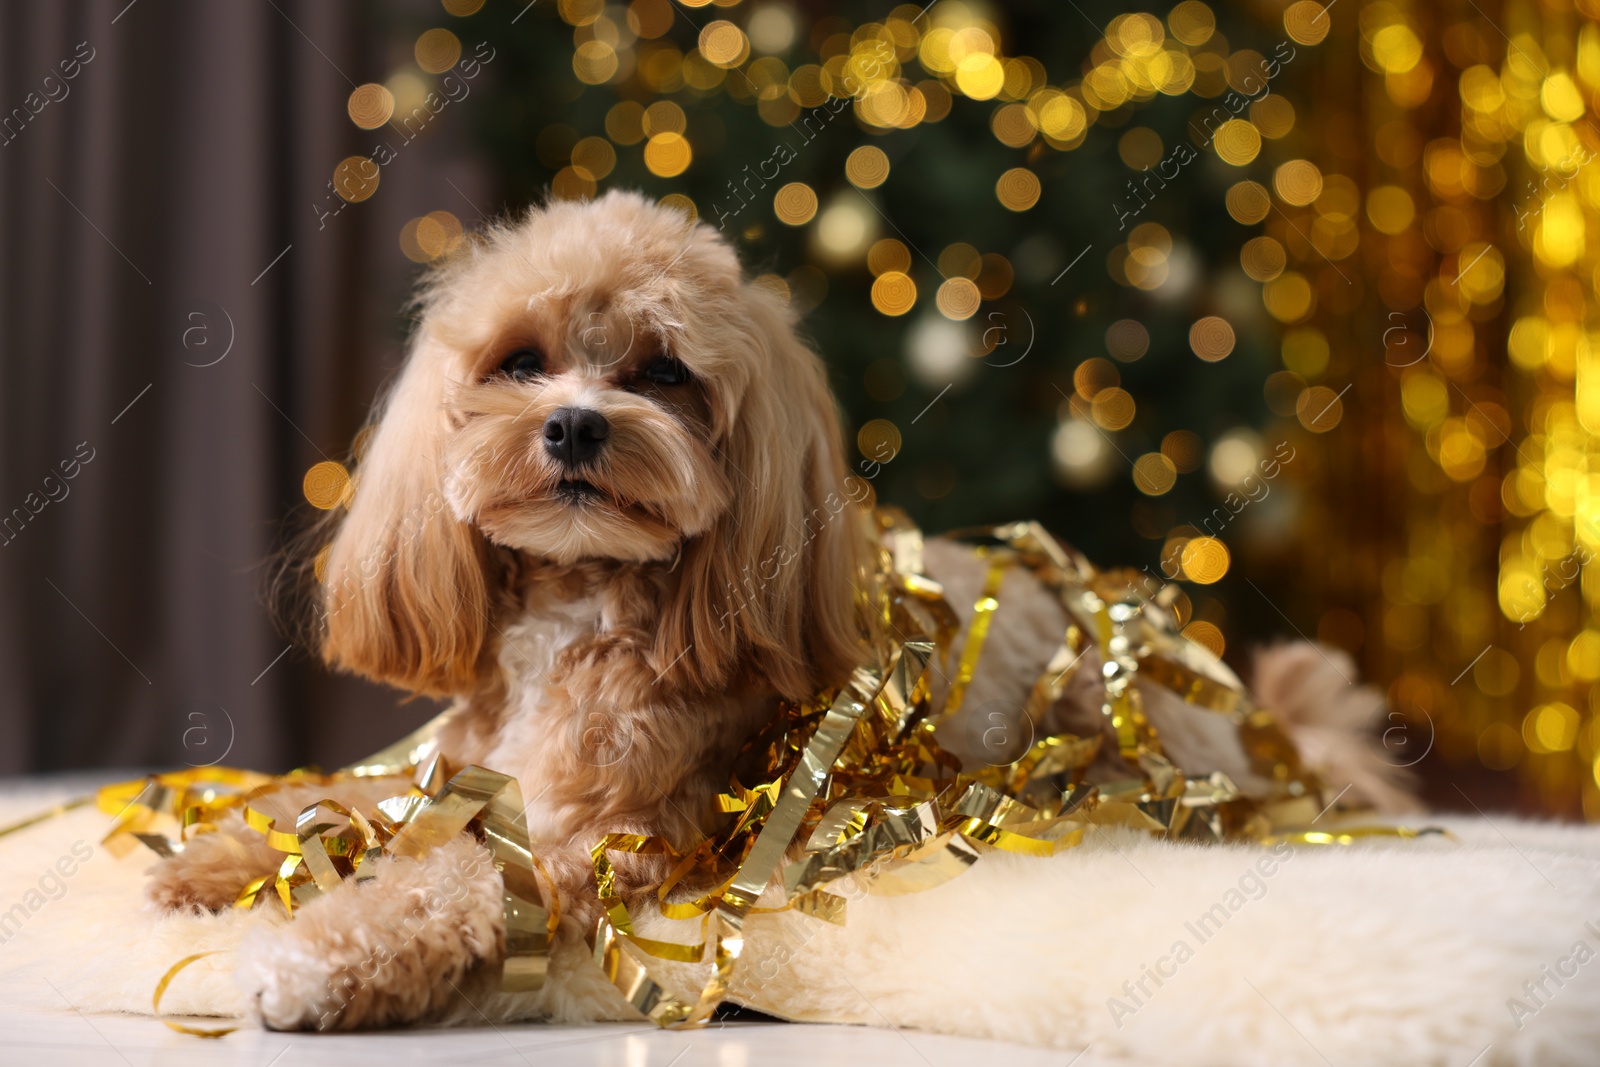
(404, 590)
(776, 577)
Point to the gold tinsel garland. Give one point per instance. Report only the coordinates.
(853, 784)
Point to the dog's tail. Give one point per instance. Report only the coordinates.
(1316, 695)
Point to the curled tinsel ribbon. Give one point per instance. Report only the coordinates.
(320, 852)
(856, 785)
(853, 784)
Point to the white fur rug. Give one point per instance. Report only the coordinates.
(1474, 952)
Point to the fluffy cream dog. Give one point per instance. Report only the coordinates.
(606, 510)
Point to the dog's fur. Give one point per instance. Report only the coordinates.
(611, 645)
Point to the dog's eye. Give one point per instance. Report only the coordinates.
(523, 364)
(664, 370)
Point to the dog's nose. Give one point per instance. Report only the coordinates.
(574, 436)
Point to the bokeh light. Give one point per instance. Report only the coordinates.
(795, 204)
(437, 50)
(667, 154)
(1018, 189)
(867, 167)
(1211, 338)
(894, 293)
(370, 106)
(326, 485)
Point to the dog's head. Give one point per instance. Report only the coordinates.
(599, 382)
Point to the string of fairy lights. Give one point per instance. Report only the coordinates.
(1455, 519)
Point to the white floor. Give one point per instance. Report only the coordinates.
(67, 1039)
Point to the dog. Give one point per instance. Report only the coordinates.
(605, 509)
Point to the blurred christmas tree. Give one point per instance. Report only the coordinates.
(1014, 233)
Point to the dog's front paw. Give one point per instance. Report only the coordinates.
(391, 950)
(291, 994)
(211, 870)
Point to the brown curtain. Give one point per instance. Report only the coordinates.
(182, 334)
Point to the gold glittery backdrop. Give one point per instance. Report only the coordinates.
(1459, 506)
